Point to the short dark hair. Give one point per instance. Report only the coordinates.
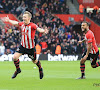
(86, 23)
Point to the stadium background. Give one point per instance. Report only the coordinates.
(63, 24)
(63, 19)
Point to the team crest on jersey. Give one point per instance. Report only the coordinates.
(25, 30)
(24, 33)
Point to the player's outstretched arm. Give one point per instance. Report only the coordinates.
(6, 19)
(42, 30)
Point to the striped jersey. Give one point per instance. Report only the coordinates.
(89, 36)
(28, 34)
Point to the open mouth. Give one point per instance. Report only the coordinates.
(82, 29)
(24, 21)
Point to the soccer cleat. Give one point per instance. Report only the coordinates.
(16, 72)
(41, 73)
(82, 77)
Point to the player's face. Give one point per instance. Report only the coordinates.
(84, 27)
(26, 19)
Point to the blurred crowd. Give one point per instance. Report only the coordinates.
(60, 36)
(95, 15)
(10, 38)
(34, 6)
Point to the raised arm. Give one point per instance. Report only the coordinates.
(13, 22)
(42, 30)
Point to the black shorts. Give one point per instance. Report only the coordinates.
(92, 57)
(31, 52)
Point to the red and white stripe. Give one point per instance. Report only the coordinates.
(89, 36)
(27, 40)
(93, 51)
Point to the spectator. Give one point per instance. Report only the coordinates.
(2, 49)
(81, 8)
(53, 48)
(12, 49)
(44, 46)
(38, 49)
(58, 49)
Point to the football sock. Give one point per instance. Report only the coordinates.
(98, 64)
(16, 64)
(39, 65)
(82, 68)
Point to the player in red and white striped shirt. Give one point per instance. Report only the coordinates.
(27, 46)
(92, 51)
(28, 34)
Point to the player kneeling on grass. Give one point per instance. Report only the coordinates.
(92, 51)
(27, 46)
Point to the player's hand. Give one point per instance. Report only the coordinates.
(80, 42)
(46, 31)
(6, 19)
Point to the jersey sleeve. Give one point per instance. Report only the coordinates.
(34, 26)
(20, 23)
(89, 37)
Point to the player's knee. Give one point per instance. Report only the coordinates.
(82, 62)
(14, 58)
(34, 61)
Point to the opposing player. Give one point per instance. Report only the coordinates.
(92, 51)
(27, 46)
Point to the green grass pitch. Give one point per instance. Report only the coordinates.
(59, 75)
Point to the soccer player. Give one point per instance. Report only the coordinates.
(92, 51)
(27, 46)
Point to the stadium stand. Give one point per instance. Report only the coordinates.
(45, 13)
(92, 8)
